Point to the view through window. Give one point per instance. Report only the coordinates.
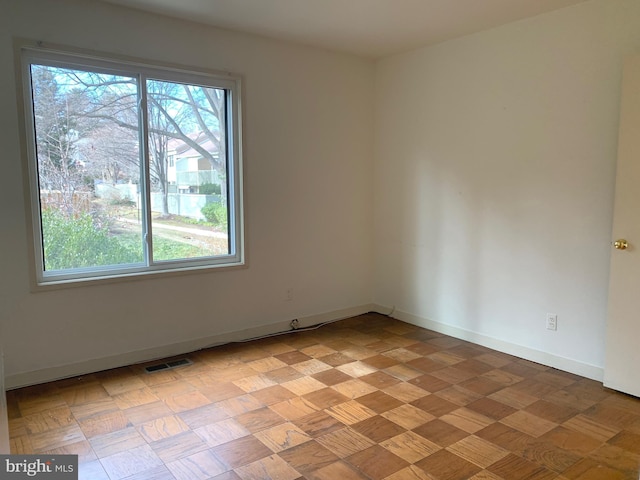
(133, 169)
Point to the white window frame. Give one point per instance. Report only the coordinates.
(142, 71)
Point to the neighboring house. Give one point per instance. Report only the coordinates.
(187, 168)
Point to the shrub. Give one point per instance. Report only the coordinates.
(209, 189)
(122, 202)
(215, 213)
(74, 242)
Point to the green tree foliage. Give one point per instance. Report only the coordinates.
(209, 189)
(75, 242)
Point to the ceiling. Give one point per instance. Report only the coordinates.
(369, 28)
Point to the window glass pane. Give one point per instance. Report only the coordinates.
(88, 163)
(112, 195)
(188, 170)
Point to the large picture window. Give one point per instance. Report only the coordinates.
(133, 168)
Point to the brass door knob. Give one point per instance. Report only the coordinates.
(621, 244)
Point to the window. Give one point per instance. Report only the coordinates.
(104, 139)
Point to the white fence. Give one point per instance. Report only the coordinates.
(184, 204)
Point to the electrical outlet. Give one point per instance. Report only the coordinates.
(552, 321)
(288, 295)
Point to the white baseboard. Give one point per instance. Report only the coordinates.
(561, 363)
(95, 365)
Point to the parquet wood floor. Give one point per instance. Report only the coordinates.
(364, 398)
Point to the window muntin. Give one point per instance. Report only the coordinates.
(106, 199)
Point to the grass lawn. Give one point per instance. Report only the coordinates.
(164, 248)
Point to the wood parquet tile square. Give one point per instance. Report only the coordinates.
(197, 417)
(350, 412)
(198, 466)
(513, 467)
(408, 416)
(478, 451)
(331, 377)
(241, 451)
(549, 456)
(378, 428)
(410, 446)
(446, 465)
(430, 383)
(337, 470)
(345, 442)
(303, 385)
(379, 401)
(435, 405)
(325, 398)
(130, 462)
(178, 446)
(318, 423)
(377, 462)
(491, 408)
(282, 437)
(354, 388)
(366, 398)
(308, 457)
(442, 433)
(293, 409)
(506, 437)
(269, 467)
(258, 420)
(56, 438)
(116, 442)
(380, 361)
(459, 395)
(221, 432)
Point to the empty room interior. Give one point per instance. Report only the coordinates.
(423, 268)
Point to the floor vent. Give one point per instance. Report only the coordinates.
(168, 365)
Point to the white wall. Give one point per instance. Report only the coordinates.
(308, 149)
(494, 180)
